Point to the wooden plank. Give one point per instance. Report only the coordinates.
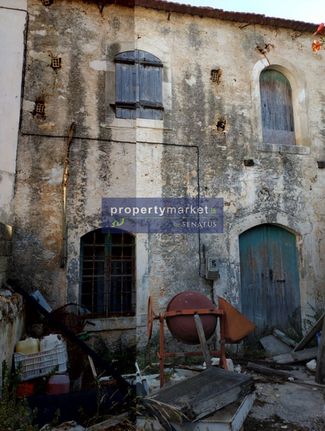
(279, 373)
(307, 383)
(310, 334)
(320, 368)
(284, 338)
(230, 418)
(206, 392)
(273, 346)
(267, 370)
(203, 341)
(293, 357)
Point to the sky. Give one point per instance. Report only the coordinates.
(301, 10)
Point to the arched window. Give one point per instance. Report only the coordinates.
(138, 85)
(277, 112)
(107, 268)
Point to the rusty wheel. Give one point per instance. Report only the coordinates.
(150, 317)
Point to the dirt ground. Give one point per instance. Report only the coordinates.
(286, 405)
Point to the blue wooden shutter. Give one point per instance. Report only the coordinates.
(138, 85)
(126, 85)
(150, 86)
(277, 112)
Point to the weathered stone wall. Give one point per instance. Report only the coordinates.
(11, 326)
(5, 251)
(12, 27)
(181, 155)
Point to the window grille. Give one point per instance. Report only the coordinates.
(108, 273)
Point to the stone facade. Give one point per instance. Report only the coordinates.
(12, 33)
(13, 19)
(208, 129)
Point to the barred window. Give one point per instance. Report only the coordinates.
(107, 271)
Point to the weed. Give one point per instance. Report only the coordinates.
(15, 414)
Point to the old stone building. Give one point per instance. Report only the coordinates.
(153, 99)
(13, 20)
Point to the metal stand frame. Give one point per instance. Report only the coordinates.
(163, 354)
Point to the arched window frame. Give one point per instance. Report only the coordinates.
(138, 85)
(300, 100)
(276, 108)
(107, 273)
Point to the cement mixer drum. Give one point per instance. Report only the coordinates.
(183, 327)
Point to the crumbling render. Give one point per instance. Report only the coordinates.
(65, 179)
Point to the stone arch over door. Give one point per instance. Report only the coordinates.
(270, 292)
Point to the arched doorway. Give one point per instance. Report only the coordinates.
(270, 293)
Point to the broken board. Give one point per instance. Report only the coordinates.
(310, 334)
(230, 418)
(207, 392)
(293, 357)
(284, 337)
(273, 346)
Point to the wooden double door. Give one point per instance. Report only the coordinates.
(270, 293)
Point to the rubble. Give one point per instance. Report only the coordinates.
(207, 392)
(311, 365)
(66, 426)
(111, 423)
(294, 357)
(273, 346)
(286, 403)
(284, 337)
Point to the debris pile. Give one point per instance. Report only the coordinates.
(282, 350)
(202, 398)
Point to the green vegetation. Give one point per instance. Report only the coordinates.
(14, 412)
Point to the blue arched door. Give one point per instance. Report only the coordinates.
(270, 294)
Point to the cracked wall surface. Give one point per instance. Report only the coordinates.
(209, 129)
(12, 28)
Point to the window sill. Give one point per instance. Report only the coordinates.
(281, 148)
(111, 323)
(140, 129)
(129, 123)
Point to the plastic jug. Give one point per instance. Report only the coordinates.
(58, 384)
(50, 342)
(28, 346)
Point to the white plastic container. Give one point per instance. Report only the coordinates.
(50, 342)
(42, 363)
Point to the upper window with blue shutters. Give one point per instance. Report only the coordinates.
(277, 109)
(138, 92)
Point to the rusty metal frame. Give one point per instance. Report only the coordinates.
(162, 354)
